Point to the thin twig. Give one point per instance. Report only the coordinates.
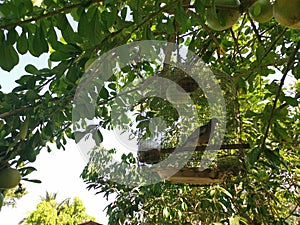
(214, 40)
(254, 28)
(274, 43)
(291, 212)
(236, 44)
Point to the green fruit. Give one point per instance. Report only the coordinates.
(9, 178)
(287, 13)
(225, 17)
(261, 11)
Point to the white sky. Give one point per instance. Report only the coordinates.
(59, 172)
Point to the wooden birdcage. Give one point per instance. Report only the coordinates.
(225, 164)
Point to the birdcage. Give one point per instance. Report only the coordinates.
(230, 155)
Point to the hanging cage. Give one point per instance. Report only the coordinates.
(155, 150)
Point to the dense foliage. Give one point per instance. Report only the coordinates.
(260, 110)
(51, 212)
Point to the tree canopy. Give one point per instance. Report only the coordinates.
(251, 61)
(51, 212)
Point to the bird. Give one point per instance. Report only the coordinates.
(202, 134)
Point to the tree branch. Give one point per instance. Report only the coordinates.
(23, 108)
(236, 44)
(65, 9)
(13, 112)
(285, 72)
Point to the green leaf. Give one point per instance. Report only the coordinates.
(22, 43)
(273, 87)
(8, 56)
(78, 135)
(73, 74)
(38, 43)
(180, 14)
(296, 71)
(31, 69)
(109, 18)
(260, 51)
(97, 136)
(2, 36)
(200, 7)
(184, 206)
(32, 180)
(27, 170)
(124, 13)
(252, 156)
(32, 95)
(104, 93)
(291, 101)
(234, 220)
(137, 17)
(27, 80)
(65, 28)
(280, 132)
(12, 36)
(225, 192)
(273, 157)
(97, 32)
(48, 129)
(83, 25)
(52, 38)
(170, 27)
(214, 9)
(221, 19)
(58, 56)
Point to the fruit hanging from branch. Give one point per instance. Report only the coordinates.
(9, 178)
(261, 11)
(287, 13)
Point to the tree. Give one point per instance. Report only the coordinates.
(49, 211)
(259, 111)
